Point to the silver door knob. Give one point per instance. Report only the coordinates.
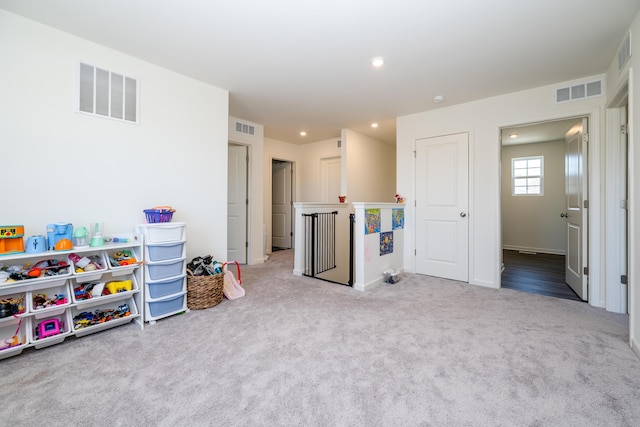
(463, 214)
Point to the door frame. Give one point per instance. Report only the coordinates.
(617, 161)
(268, 205)
(621, 96)
(593, 292)
(248, 204)
(292, 190)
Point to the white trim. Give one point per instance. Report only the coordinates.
(536, 250)
(539, 176)
(595, 215)
(634, 319)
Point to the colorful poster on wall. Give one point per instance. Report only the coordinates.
(386, 243)
(371, 221)
(397, 216)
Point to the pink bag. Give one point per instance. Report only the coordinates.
(232, 288)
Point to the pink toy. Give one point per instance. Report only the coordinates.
(48, 328)
(232, 288)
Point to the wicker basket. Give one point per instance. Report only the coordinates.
(204, 291)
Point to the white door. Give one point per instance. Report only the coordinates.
(281, 229)
(442, 201)
(237, 204)
(330, 179)
(576, 190)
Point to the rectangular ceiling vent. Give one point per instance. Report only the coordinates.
(103, 93)
(578, 91)
(245, 128)
(624, 53)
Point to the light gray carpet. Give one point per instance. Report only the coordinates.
(298, 351)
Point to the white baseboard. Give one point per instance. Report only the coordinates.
(635, 346)
(536, 250)
(364, 286)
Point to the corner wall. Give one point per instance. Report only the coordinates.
(482, 120)
(369, 168)
(60, 165)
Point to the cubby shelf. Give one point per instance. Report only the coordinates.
(56, 322)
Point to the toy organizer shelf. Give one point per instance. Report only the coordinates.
(118, 295)
(165, 269)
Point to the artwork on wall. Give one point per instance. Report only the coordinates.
(371, 221)
(386, 243)
(397, 216)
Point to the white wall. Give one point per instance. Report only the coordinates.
(533, 222)
(370, 168)
(64, 166)
(308, 171)
(482, 120)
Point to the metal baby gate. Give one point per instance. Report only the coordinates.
(319, 242)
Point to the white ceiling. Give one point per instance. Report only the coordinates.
(305, 65)
(538, 132)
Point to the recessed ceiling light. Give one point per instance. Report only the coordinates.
(374, 125)
(377, 62)
(438, 99)
(513, 135)
(303, 133)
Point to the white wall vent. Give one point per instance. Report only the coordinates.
(104, 93)
(624, 52)
(578, 91)
(245, 128)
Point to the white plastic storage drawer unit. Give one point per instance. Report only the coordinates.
(165, 269)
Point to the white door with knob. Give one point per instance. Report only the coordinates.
(442, 203)
(576, 214)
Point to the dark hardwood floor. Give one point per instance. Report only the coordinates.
(536, 273)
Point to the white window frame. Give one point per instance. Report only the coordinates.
(528, 175)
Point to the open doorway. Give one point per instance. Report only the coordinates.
(544, 227)
(281, 205)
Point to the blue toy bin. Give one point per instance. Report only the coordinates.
(166, 306)
(164, 251)
(165, 269)
(162, 288)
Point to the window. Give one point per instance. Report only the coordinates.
(107, 94)
(527, 176)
